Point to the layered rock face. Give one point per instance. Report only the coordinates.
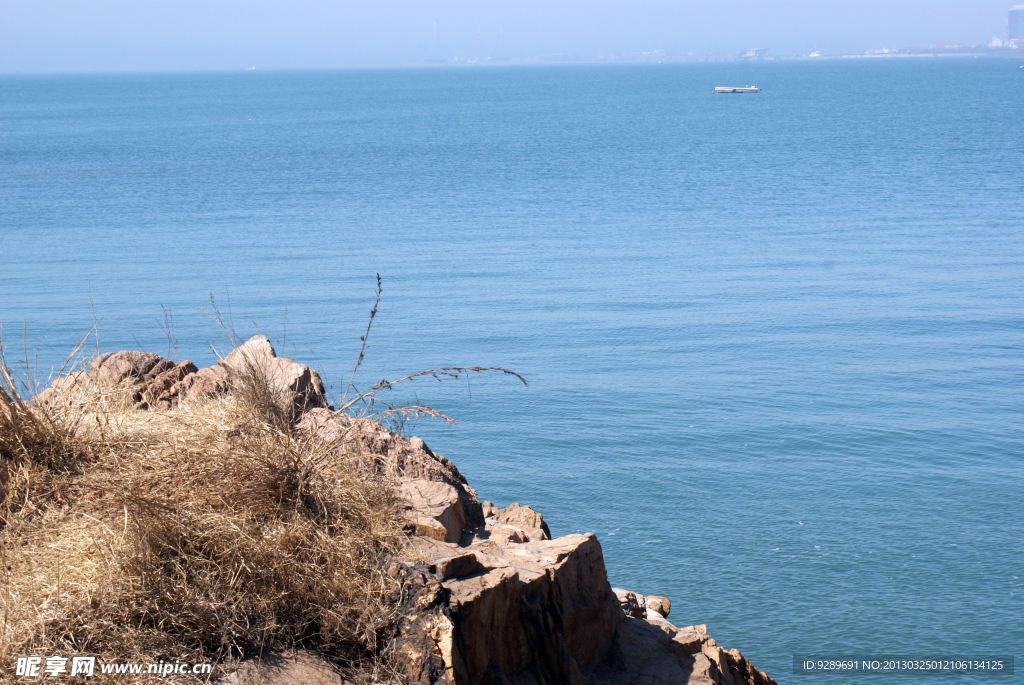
(524, 609)
(486, 595)
(489, 597)
(153, 382)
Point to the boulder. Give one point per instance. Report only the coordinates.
(434, 509)
(506, 535)
(418, 444)
(159, 391)
(524, 518)
(204, 384)
(644, 654)
(567, 602)
(659, 604)
(632, 604)
(295, 386)
(147, 380)
(691, 641)
(112, 369)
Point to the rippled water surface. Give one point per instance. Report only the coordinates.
(775, 342)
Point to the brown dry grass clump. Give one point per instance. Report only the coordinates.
(206, 533)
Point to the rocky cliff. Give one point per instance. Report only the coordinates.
(488, 596)
(484, 594)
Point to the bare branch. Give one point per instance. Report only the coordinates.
(362, 349)
(443, 373)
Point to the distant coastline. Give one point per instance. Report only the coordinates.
(654, 58)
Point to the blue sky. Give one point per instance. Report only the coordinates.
(121, 35)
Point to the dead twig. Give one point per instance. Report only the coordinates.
(440, 374)
(363, 338)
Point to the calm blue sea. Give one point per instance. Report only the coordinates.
(775, 342)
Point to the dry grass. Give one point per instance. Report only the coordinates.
(207, 533)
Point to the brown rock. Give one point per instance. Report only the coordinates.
(112, 369)
(159, 368)
(392, 454)
(524, 518)
(204, 384)
(128, 370)
(298, 667)
(157, 391)
(660, 604)
(148, 380)
(531, 613)
(458, 566)
(435, 508)
(643, 653)
(488, 631)
(690, 641)
(632, 604)
(654, 651)
(422, 647)
(253, 351)
(506, 535)
(720, 658)
(297, 387)
(418, 444)
(543, 612)
(744, 673)
(568, 600)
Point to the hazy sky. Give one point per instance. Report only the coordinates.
(121, 35)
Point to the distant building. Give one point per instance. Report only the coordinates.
(759, 53)
(1016, 20)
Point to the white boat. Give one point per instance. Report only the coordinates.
(731, 89)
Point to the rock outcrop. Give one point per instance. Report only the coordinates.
(151, 382)
(527, 524)
(417, 472)
(486, 595)
(543, 612)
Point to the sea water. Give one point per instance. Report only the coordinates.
(774, 342)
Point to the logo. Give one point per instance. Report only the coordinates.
(53, 666)
(44, 667)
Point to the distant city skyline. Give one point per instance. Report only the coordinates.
(123, 35)
(1015, 23)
